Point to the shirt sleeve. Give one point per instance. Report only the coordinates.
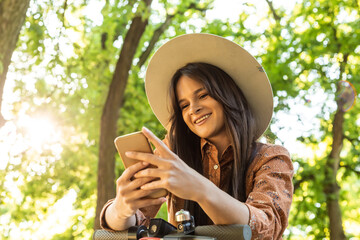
(103, 223)
(142, 215)
(270, 198)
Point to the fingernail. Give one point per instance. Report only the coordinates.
(163, 199)
(128, 154)
(145, 129)
(145, 163)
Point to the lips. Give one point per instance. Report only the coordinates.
(202, 118)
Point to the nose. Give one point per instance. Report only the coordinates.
(195, 109)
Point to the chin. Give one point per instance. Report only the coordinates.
(203, 135)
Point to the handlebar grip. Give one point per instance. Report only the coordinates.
(225, 232)
(107, 235)
(220, 232)
(133, 233)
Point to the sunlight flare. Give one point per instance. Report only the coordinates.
(40, 132)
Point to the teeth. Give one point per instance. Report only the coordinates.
(200, 119)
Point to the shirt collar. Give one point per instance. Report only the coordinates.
(205, 145)
(203, 142)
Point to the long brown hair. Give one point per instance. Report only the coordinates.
(239, 124)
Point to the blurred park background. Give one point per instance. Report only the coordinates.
(72, 79)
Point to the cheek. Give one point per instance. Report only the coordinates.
(187, 121)
(221, 116)
(184, 118)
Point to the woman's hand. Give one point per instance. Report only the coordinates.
(129, 195)
(173, 173)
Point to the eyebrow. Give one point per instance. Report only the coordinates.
(194, 93)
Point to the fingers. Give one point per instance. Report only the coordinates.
(155, 185)
(159, 145)
(130, 171)
(138, 182)
(126, 187)
(152, 138)
(146, 157)
(138, 194)
(151, 172)
(132, 191)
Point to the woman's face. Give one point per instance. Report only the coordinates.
(202, 114)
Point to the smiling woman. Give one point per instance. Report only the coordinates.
(215, 100)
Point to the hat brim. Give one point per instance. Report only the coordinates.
(218, 51)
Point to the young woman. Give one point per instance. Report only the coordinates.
(216, 101)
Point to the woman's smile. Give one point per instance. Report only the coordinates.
(201, 120)
(203, 115)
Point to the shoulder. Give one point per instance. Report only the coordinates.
(267, 153)
(269, 150)
(269, 191)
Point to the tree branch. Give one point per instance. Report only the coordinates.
(63, 15)
(155, 37)
(272, 9)
(351, 169)
(104, 35)
(160, 30)
(103, 40)
(351, 140)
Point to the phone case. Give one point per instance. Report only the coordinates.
(136, 142)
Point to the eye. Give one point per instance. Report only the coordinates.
(204, 95)
(182, 107)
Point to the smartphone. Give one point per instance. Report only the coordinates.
(135, 142)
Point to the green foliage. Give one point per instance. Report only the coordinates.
(321, 47)
(63, 75)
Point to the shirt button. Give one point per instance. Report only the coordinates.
(216, 166)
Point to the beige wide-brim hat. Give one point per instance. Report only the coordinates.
(221, 52)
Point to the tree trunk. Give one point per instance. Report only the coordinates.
(331, 187)
(12, 17)
(110, 115)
